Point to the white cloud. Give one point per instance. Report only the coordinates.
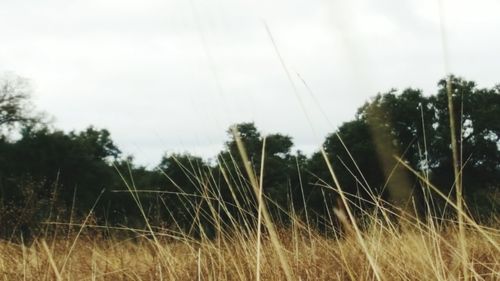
(168, 75)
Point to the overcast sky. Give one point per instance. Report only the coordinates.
(172, 75)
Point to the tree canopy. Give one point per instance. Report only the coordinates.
(46, 173)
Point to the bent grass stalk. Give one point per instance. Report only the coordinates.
(267, 219)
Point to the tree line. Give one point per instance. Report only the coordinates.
(48, 175)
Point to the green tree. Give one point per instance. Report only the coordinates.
(183, 178)
(416, 128)
(280, 172)
(56, 165)
(479, 130)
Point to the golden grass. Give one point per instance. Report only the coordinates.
(386, 243)
(414, 253)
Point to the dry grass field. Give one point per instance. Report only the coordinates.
(417, 252)
(387, 243)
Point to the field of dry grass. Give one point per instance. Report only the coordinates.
(387, 243)
(417, 252)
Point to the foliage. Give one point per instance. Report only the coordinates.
(416, 128)
(47, 173)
